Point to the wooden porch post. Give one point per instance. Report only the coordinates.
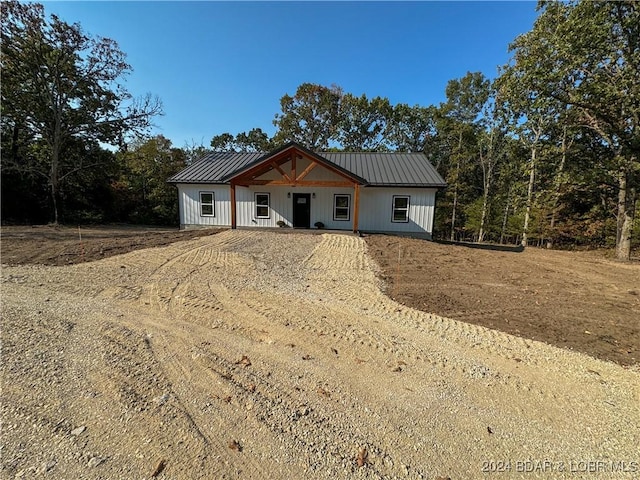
(356, 207)
(233, 205)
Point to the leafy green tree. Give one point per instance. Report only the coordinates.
(58, 85)
(146, 167)
(411, 129)
(460, 114)
(363, 123)
(194, 151)
(532, 117)
(491, 151)
(310, 117)
(587, 55)
(224, 142)
(255, 140)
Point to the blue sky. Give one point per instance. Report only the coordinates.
(223, 66)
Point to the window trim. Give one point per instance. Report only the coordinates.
(348, 207)
(268, 205)
(394, 208)
(213, 203)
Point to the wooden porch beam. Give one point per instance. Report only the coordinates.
(306, 171)
(233, 205)
(312, 183)
(356, 207)
(284, 175)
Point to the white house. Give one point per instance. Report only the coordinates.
(293, 186)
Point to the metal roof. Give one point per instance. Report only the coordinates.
(389, 169)
(213, 167)
(377, 169)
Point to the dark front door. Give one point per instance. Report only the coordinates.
(301, 210)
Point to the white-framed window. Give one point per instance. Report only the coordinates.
(263, 201)
(341, 207)
(400, 208)
(207, 203)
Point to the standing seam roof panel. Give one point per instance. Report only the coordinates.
(376, 168)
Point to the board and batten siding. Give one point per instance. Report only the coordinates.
(376, 207)
(282, 206)
(376, 210)
(246, 206)
(189, 205)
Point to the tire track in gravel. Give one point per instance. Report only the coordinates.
(272, 402)
(359, 290)
(466, 349)
(284, 409)
(335, 365)
(307, 317)
(342, 258)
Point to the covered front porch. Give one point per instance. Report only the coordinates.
(299, 186)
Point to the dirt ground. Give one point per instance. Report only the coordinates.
(576, 300)
(256, 355)
(61, 245)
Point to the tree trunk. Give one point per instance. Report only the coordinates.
(453, 212)
(556, 190)
(56, 147)
(487, 173)
(14, 143)
(505, 216)
(625, 217)
(483, 217)
(55, 184)
(455, 189)
(527, 215)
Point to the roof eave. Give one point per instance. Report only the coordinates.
(204, 182)
(408, 185)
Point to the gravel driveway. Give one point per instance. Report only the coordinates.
(260, 355)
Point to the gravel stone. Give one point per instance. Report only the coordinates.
(166, 326)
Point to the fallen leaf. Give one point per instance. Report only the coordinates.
(159, 468)
(234, 445)
(244, 361)
(322, 391)
(361, 459)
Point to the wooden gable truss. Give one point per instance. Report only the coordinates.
(292, 178)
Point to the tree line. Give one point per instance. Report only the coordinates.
(547, 153)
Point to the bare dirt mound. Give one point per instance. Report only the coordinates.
(576, 300)
(258, 355)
